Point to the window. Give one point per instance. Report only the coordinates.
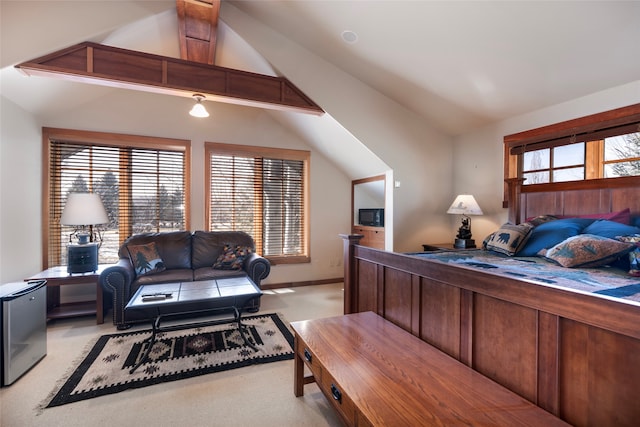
(141, 181)
(601, 146)
(263, 192)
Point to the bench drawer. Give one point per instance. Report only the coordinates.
(338, 398)
(310, 360)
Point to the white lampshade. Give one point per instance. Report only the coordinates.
(198, 109)
(465, 204)
(84, 209)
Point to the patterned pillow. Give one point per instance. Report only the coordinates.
(587, 250)
(509, 238)
(634, 255)
(146, 259)
(232, 258)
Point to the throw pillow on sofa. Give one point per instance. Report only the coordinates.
(146, 259)
(232, 258)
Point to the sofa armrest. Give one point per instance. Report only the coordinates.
(116, 281)
(257, 267)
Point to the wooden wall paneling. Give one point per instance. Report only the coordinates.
(440, 314)
(504, 344)
(397, 298)
(548, 354)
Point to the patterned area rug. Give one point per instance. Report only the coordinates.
(176, 355)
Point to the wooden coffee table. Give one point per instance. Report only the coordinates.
(172, 299)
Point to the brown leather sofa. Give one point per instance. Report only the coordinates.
(185, 257)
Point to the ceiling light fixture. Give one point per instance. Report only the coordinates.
(198, 110)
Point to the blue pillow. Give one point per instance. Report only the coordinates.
(549, 234)
(610, 229)
(635, 221)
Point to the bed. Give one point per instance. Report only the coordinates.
(567, 339)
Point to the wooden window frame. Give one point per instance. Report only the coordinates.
(106, 139)
(592, 128)
(276, 153)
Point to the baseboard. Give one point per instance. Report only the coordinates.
(298, 284)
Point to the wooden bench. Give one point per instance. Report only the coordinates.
(375, 373)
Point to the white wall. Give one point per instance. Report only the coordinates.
(20, 197)
(479, 155)
(420, 157)
(140, 113)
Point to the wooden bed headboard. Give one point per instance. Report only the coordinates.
(572, 198)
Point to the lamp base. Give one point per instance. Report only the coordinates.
(82, 258)
(464, 243)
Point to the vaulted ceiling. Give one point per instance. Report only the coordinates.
(458, 64)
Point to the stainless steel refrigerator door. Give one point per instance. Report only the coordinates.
(25, 332)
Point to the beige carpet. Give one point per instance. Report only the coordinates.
(260, 395)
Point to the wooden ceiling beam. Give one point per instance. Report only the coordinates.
(197, 29)
(110, 66)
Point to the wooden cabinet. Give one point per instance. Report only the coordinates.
(373, 236)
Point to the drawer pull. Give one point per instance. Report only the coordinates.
(337, 395)
(307, 355)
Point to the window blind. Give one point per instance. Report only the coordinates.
(261, 195)
(142, 189)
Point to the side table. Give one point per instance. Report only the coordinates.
(58, 276)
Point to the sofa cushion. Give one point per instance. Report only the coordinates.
(174, 247)
(145, 259)
(232, 258)
(209, 245)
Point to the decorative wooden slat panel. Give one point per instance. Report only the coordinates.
(123, 66)
(367, 295)
(504, 344)
(184, 75)
(397, 298)
(440, 317)
(109, 66)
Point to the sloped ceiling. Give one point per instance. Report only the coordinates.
(457, 64)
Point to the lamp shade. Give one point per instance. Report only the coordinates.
(465, 204)
(198, 109)
(83, 209)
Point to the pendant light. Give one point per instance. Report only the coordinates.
(198, 109)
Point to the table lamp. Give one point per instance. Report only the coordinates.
(83, 210)
(465, 205)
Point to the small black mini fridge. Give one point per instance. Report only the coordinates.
(23, 328)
